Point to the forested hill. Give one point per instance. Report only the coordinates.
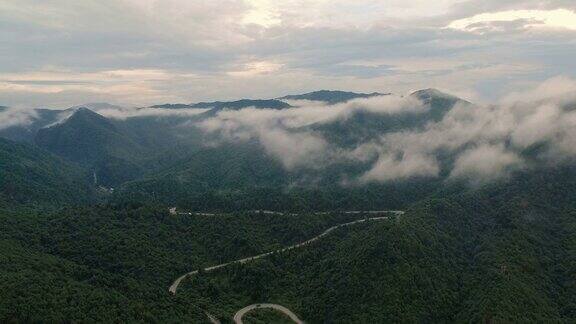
(488, 233)
(502, 253)
(94, 141)
(31, 175)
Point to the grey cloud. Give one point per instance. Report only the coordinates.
(91, 35)
(198, 44)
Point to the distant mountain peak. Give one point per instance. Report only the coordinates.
(332, 96)
(95, 106)
(83, 117)
(431, 92)
(173, 106)
(244, 103)
(325, 92)
(83, 111)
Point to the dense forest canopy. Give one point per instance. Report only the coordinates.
(487, 234)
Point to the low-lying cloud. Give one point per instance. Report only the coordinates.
(285, 133)
(474, 142)
(483, 143)
(11, 117)
(126, 113)
(15, 117)
(486, 162)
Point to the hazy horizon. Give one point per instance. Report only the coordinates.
(138, 53)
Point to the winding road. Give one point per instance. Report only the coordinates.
(238, 316)
(174, 287)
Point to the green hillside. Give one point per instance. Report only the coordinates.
(115, 263)
(499, 254)
(30, 175)
(95, 142)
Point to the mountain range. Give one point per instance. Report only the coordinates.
(102, 207)
(145, 154)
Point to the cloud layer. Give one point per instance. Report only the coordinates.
(483, 143)
(60, 53)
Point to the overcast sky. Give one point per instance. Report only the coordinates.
(59, 53)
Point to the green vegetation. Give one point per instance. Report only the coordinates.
(266, 316)
(39, 287)
(30, 175)
(72, 251)
(114, 264)
(499, 254)
(95, 142)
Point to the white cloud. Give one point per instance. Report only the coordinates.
(16, 117)
(486, 162)
(294, 149)
(556, 88)
(486, 142)
(498, 133)
(229, 49)
(559, 18)
(281, 131)
(254, 68)
(411, 164)
(541, 125)
(126, 113)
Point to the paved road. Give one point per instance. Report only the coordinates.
(212, 318)
(238, 316)
(174, 287)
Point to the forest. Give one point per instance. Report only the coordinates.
(82, 240)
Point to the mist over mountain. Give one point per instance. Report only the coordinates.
(173, 106)
(369, 138)
(473, 179)
(294, 161)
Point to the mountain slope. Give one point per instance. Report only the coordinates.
(26, 132)
(237, 174)
(362, 126)
(501, 253)
(94, 141)
(32, 175)
(438, 101)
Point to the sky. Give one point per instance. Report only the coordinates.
(61, 53)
